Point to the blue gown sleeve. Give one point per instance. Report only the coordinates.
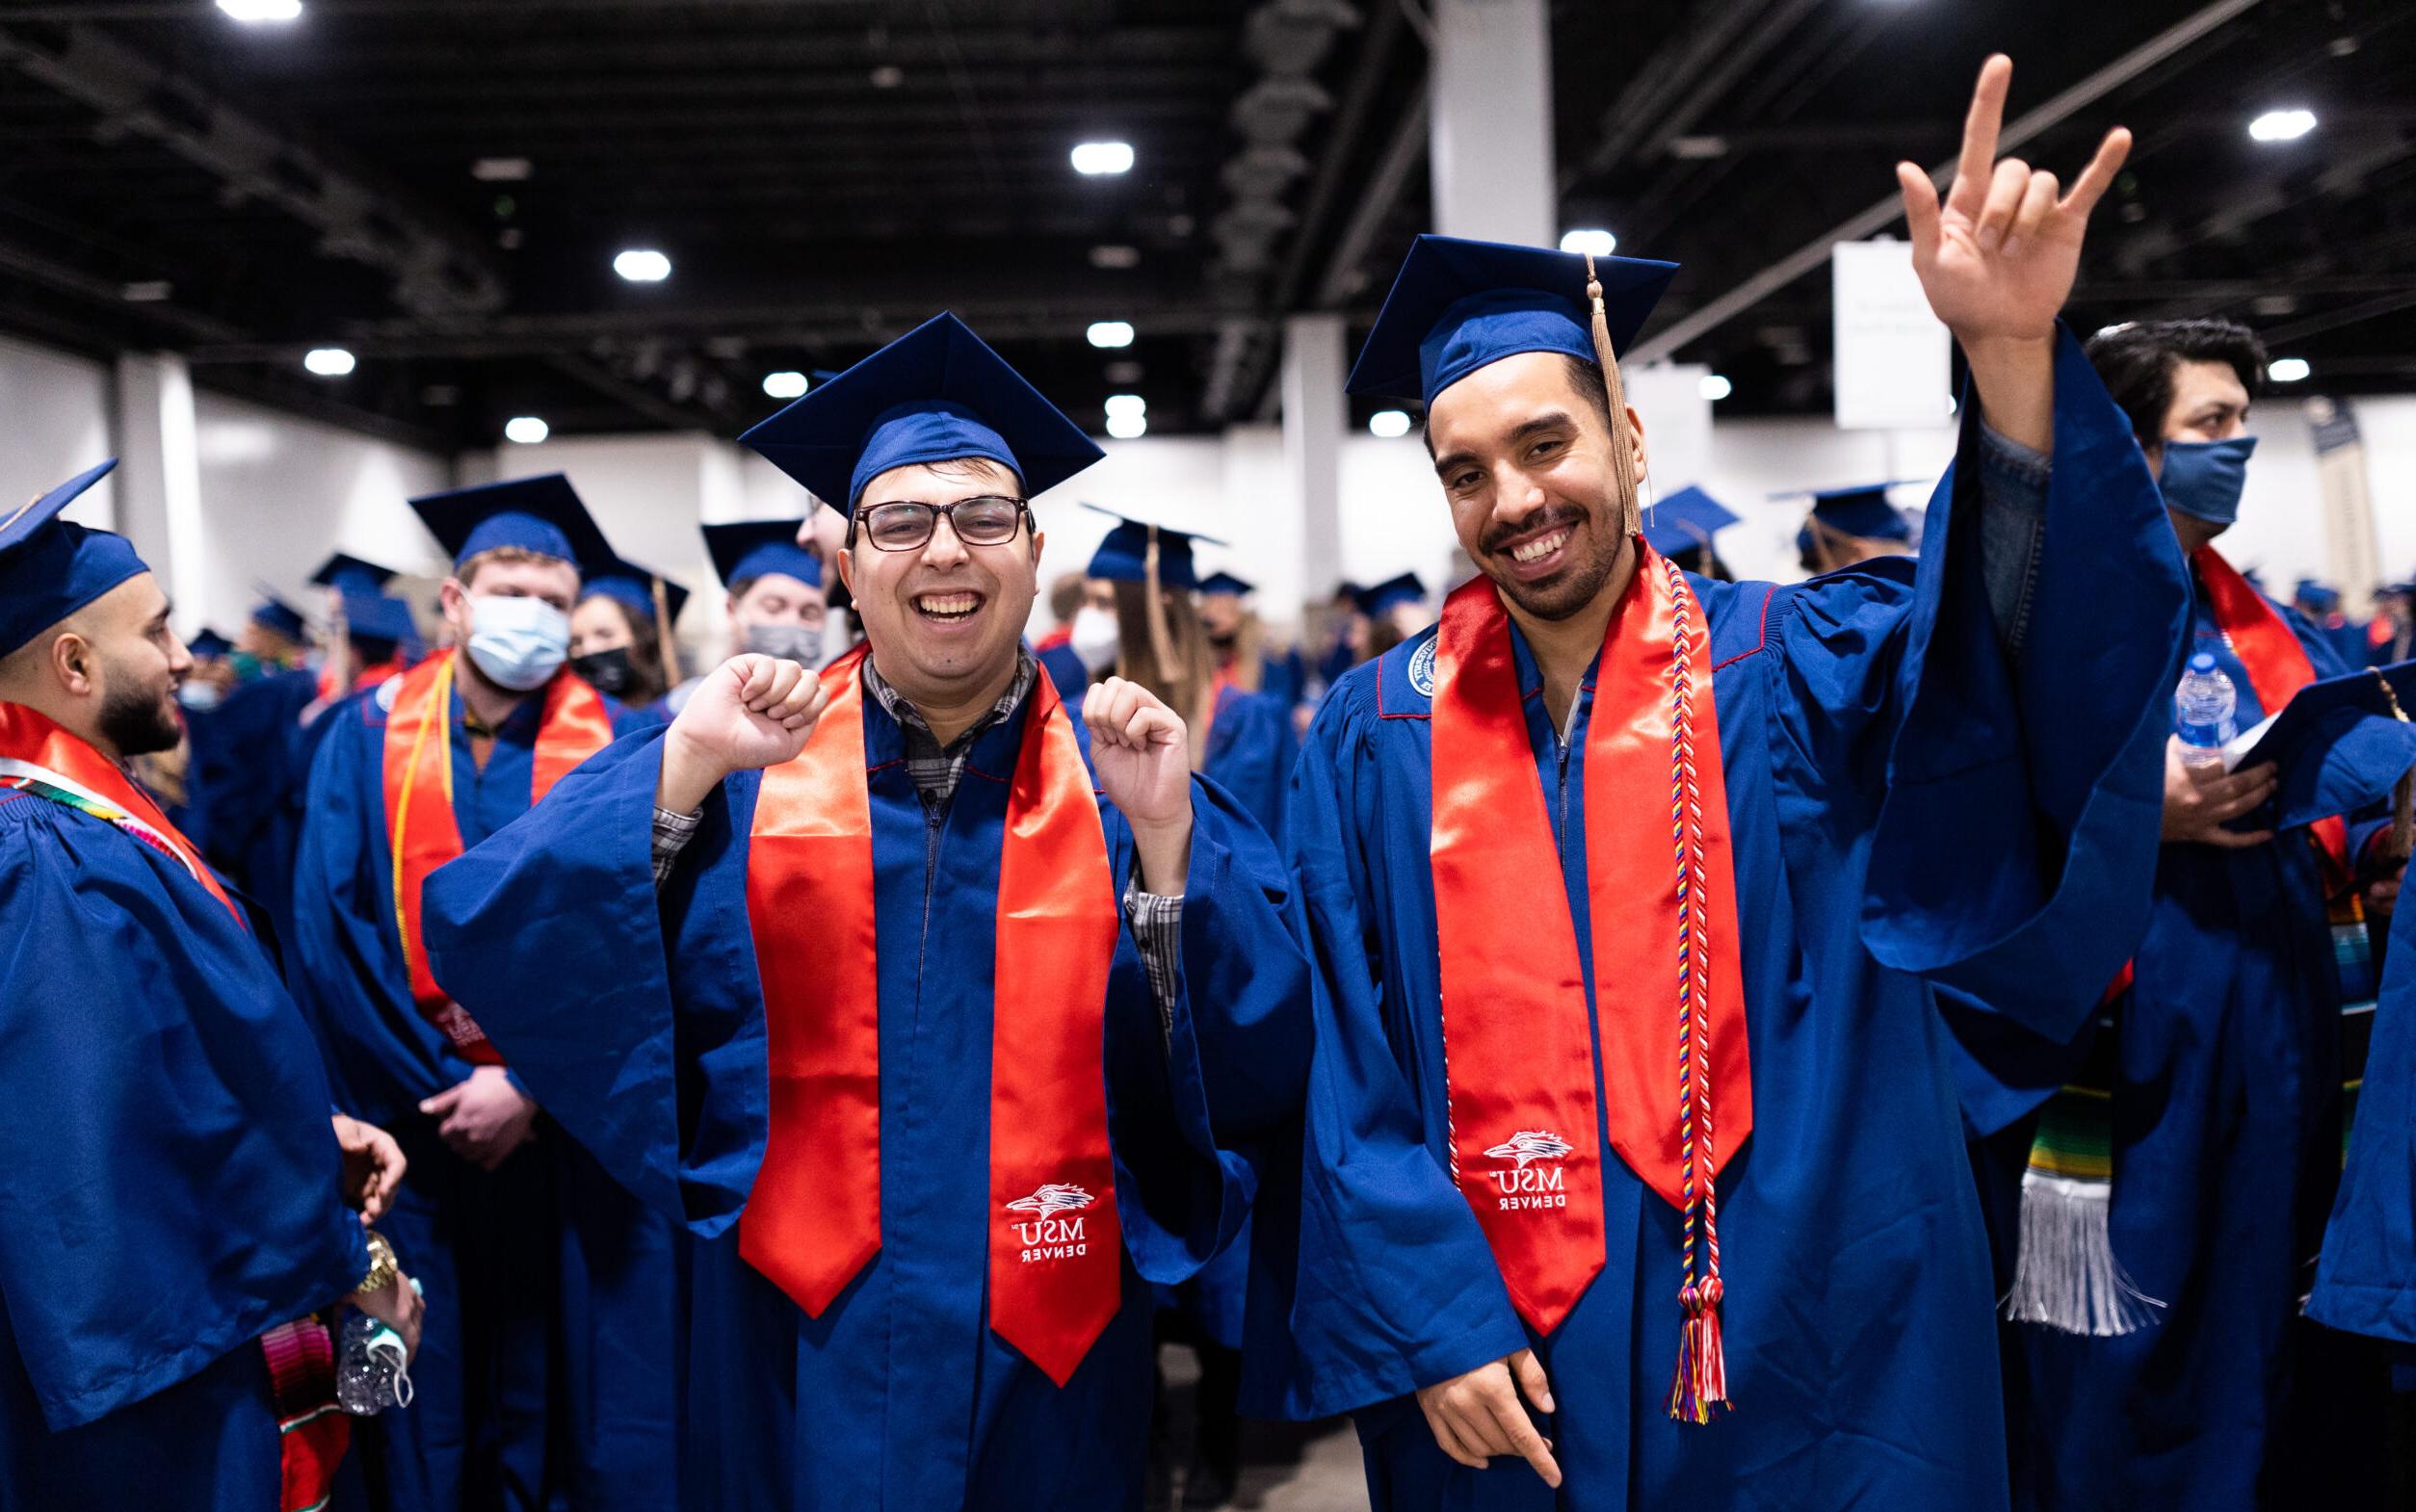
(1195, 1103)
(169, 1188)
(1377, 1281)
(2020, 791)
(1251, 753)
(2366, 1274)
(383, 1055)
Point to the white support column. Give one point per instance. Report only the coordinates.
(1489, 141)
(1314, 414)
(159, 485)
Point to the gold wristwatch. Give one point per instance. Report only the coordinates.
(382, 1268)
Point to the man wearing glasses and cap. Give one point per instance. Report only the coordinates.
(946, 1036)
(1657, 1182)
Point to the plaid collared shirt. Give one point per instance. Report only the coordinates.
(1155, 919)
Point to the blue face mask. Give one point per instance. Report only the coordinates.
(519, 642)
(2203, 478)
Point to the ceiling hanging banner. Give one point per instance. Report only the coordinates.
(1891, 352)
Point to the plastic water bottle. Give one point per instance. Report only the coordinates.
(371, 1374)
(2203, 709)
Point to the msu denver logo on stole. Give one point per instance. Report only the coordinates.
(1046, 1236)
(1528, 1185)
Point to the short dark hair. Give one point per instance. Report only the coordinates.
(1584, 375)
(2136, 362)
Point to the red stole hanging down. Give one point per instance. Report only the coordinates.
(313, 1433)
(2278, 669)
(421, 832)
(813, 1219)
(1666, 984)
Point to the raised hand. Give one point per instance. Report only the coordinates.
(1142, 754)
(750, 712)
(1997, 256)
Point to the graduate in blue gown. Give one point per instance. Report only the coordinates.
(552, 1370)
(903, 1390)
(1244, 658)
(622, 637)
(170, 1187)
(2188, 1140)
(2366, 1279)
(1946, 772)
(1850, 524)
(777, 606)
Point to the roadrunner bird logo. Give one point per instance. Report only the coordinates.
(1530, 1144)
(1057, 1197)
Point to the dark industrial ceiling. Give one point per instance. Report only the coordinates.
(825, 173)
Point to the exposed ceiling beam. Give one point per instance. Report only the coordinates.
(1815, 253)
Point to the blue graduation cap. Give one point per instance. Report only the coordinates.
(541, 515)
(745, 550)
(50, 568)
(632, 587)
(2338, 744)
(351, 575)
(2317, 596)
(1456, 305)
(272, 613)
(1390, 594)
(379, 620)
(1684, 521)
(1862, 510)
(1228, 583)
(1123, 556)
(209, 643)
(936, 394)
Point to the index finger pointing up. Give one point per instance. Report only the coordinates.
(1978, 164)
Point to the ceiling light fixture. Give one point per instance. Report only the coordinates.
(328, 361)
(526, 429)
(643, 264)
(1098, 159)
(1388, 425)
(1110, 333)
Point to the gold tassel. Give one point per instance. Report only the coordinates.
(662, 632)
(1622, 464)
(1161, 635)
(2403, 841)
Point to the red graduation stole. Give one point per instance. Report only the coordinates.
(31, 738)
(813, 1218)
(312, 1433)
(1666, 985)
(421, 832)
(2277, 667)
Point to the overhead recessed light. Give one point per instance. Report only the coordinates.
(261, 10)
(1127, 427)
(502, 170)
(889, 76)
(1115, 255)
(2288, 370)
(786, 384)
(1093, 159)
(526, 429)
(328, 361)
(1388, 424)
(643, 264)
(1126, 405)
(1110, 333)
(1714, 387)
(147, 291)
(1592, 241)
(2282, 125)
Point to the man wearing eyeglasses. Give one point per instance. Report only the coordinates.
(948, 1030)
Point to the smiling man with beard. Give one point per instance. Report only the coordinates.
(948, 1035)
(174, 1203)
(1658, 1182)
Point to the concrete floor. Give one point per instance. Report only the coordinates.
(1285, 1467)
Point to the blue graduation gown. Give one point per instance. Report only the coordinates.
(1906, 799)
(548, 1366)
(2366, 1279)
(1284, 677)
(1251, 753)
(251, 763)
(169, 1188)
(2226, 1145)
(643, 1029)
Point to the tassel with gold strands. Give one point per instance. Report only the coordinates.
(1622, 464)
(1182, 694)
(662, 632)
(2403, 841)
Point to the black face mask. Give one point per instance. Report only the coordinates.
(1225, 641)
(606, 672)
